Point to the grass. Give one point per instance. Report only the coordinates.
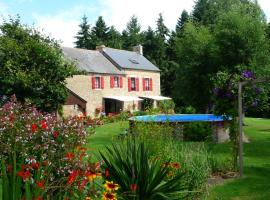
(255, 184)
(256, 181)
(105, 135)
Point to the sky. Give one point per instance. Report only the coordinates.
(60, 18)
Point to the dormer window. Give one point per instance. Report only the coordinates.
(133, 61)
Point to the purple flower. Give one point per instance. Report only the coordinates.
(254, 103)
(216, 91)
(247, 74)
(258, 90)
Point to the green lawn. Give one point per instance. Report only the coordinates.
(256, 181)
(105, 135)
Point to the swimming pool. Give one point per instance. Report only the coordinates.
(180, 118)
(220, 132)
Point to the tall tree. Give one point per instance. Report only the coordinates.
(83, 36)
(162, 30)
(181, 22)
(132, 34)
(32, 66)
(114, 38)
(99, 33)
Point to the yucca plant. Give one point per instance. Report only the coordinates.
(140, 177)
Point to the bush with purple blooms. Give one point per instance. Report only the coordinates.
(225, 98)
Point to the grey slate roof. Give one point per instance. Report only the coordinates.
(90, 61)
(129, 59)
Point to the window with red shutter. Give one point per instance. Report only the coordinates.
(121, 82)
(143, 82)
(93, 82)
(129, 84)
(151, 84)
(111, 81)
(137, 84)
(102, 82)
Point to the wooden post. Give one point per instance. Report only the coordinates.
(240, 119)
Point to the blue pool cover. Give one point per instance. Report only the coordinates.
(180, 118)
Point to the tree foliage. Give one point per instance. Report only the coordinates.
(83, 37)
(32, 66)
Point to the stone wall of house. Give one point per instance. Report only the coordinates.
(82, 86)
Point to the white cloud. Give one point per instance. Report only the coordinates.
(265, 5)
(118, 12)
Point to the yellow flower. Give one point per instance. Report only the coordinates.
(109, 196)
(87, 198)
(110, 186)
(92, 175)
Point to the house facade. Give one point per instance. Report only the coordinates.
(115, 81)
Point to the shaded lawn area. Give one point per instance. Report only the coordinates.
(256, 181)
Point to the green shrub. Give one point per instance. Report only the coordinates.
(140, 177)
(198, 131)
(166, 106)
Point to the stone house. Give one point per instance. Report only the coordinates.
(114, 81)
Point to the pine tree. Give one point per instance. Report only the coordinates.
(150, 44)
(83, 36)
(181, 22)
(99, 33)
(132, 34)
(114, 38)
(162, 30)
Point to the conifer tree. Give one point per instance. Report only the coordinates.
(132, 34)
(83, 36)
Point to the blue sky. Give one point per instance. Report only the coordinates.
(60, 18)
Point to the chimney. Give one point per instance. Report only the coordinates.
(138, 49)
(100, 47)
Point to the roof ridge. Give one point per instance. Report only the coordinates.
(81, 49)
(122, 50)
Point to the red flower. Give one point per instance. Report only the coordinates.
(9, 168)
(25, 174)
(35, 165)
(72, 176)
(41, 183)
(107, 173)
(34, 128)
(133, 187)
(55, 134)
(82, 184)
(38, 198)
(11, 118)
(44, 124)
(69, 156)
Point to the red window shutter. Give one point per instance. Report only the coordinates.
(112, 81)
(129, 84)
(151, 84)
(102, 82)
(93, 82)
(137, 84)
(143, 83)
(121, 82)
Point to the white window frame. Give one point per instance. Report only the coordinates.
(147, 84)
(96, 82)
(118, 82)
(133, 78)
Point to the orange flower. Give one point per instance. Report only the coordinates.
(109, 196)
(165, 164)
(72, 176)
(41, 183)
(69, 156)
(92, 175)
(110, 186)
(170, 174)
(87, 198)
(107, 173)
(175, 165)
